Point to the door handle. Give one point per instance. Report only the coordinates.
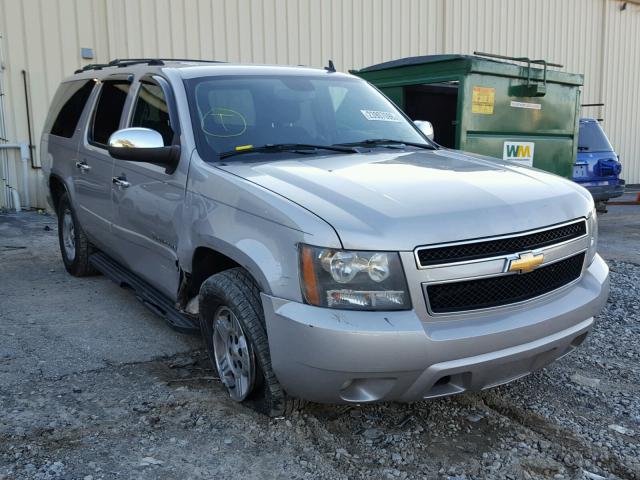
(82, 166)
(121, 182)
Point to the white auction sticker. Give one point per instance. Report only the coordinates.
(519, 152)
(380, 116)
(532, 106)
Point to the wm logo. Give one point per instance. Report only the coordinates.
(518, 151)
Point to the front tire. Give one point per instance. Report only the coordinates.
(232, 324)
(75, 247)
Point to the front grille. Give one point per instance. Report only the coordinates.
(503, 290)
(501, 246)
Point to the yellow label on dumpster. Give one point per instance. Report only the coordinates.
(482, 100)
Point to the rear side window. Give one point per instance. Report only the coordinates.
(591, 138)
(152, 112)
(106, 117)
(72, 98)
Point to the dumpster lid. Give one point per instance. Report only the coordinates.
(481, 64)
(419, 60)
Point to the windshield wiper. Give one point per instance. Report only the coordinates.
(288, 147)
(375, 142)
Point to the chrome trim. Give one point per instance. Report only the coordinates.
(136, 137)
(498, 265)
(504, 274)
(424, 286)
(499, 237)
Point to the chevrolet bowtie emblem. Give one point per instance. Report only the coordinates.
(526, 262)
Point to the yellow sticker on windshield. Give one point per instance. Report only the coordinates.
(244, 147)
(482, 100)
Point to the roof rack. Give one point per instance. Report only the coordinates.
(126, 62)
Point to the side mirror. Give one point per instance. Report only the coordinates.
(425, 127)
(142, 145)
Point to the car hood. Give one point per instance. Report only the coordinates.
(397, 200)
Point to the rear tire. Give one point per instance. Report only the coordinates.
(228, 297)
(75, 247)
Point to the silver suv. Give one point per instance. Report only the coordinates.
(323, 245)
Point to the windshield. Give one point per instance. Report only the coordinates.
(592, 138)
(230, 113)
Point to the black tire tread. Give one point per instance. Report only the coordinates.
(80, 267)
(238, 288)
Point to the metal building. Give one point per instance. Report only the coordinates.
(42, 41)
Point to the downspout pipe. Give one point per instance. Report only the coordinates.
(26, 102)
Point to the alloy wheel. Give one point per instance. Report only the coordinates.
(68, 235)
(233, 354)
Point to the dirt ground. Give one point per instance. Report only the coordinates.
(94, 386)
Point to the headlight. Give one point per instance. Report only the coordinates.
(592, 225)
(353, 280)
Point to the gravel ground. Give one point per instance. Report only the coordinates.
(162, 414)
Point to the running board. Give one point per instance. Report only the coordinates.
(148, 295)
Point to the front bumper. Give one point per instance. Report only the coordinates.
(338, 356)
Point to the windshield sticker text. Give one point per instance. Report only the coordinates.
(380, 116)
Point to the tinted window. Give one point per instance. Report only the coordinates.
(592, 139)
(151, 111)
(106, 118)
(72, 96)
(231, 112)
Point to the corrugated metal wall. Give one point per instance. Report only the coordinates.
(620, 89)
(594, 37)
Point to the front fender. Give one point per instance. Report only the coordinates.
(257, 228)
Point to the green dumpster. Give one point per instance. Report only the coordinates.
(511, 111)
